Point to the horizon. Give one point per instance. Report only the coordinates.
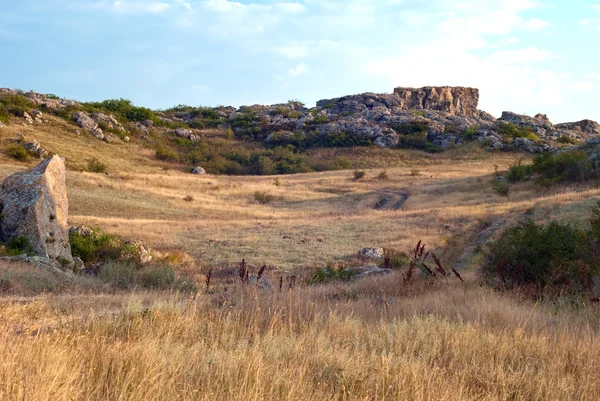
(527, 57)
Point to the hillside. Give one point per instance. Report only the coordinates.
(91, 336)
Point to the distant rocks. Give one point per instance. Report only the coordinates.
(27, 118)
(198, 170)
(35, 148)
(371, 270)
(371, 253)
(92, 125)
(84, 121)
(187, 134)
(35, 206)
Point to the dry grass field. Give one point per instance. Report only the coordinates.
(377, 339)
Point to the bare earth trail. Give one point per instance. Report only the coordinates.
(392, 199)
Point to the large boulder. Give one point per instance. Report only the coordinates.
(85, 121)
(34, 205)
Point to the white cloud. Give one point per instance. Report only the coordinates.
(292, 8)
(134, 7)
(298, 70)
(581, 86)
(535, 24)
(294, 50)
(591, 23)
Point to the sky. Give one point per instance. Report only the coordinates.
(525, 56)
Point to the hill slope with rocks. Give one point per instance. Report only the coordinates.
(430, 119)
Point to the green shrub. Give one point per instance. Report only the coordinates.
(98, 246)
(328, 274)
(359, 175)
(511, 131)
(263, 198)
(18, 246)
(470, 133)
(125, 109)
(501, 188)
(520, 172)
(566, 140)
(555, 255)
(393, 259)
(572, 165)
(383, 175)
(167, 154)
(547, 169)
(18, 152)
(95, 165)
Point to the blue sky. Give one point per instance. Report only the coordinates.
(526, 56)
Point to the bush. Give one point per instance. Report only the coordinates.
(359, 175)
(569, 166)
(501, 188)
(18, 152)
(519, 172)
(470, 133)
(94, 165)
(393, 259)
(167, 154)
(383, 175)
(566, 140)
(511, 131)
(263, 198)
(557, 256)
(98, 246)
(18, 246)
(573, 165)
(328, 274)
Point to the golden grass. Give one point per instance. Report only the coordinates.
(456, 342)
(371, 340)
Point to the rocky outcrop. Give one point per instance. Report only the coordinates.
(35, 206)
(452, 100)
(35, 148)
(84, 121)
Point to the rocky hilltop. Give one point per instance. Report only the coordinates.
(429, 118)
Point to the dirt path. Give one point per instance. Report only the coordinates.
(392, 200)
(480, 239)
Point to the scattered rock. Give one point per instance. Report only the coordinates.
(368, 271)
(139, 252)
(28, 118)
(35, 206)
(186, 133)
(126, 139)
(35, 148)
(37, 113)
(371, 253)
(2, 125)
(84, 121)
(79, 265)
(21, 137)
(77, 132)
(264, 283)
(81, 230)
(97, 132)
(198, 170)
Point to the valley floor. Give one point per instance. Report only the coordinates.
(377, 339)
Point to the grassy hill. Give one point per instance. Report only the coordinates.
(378, 338)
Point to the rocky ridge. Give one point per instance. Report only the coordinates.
(430, 118)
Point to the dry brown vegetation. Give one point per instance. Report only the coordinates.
(378, 339)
